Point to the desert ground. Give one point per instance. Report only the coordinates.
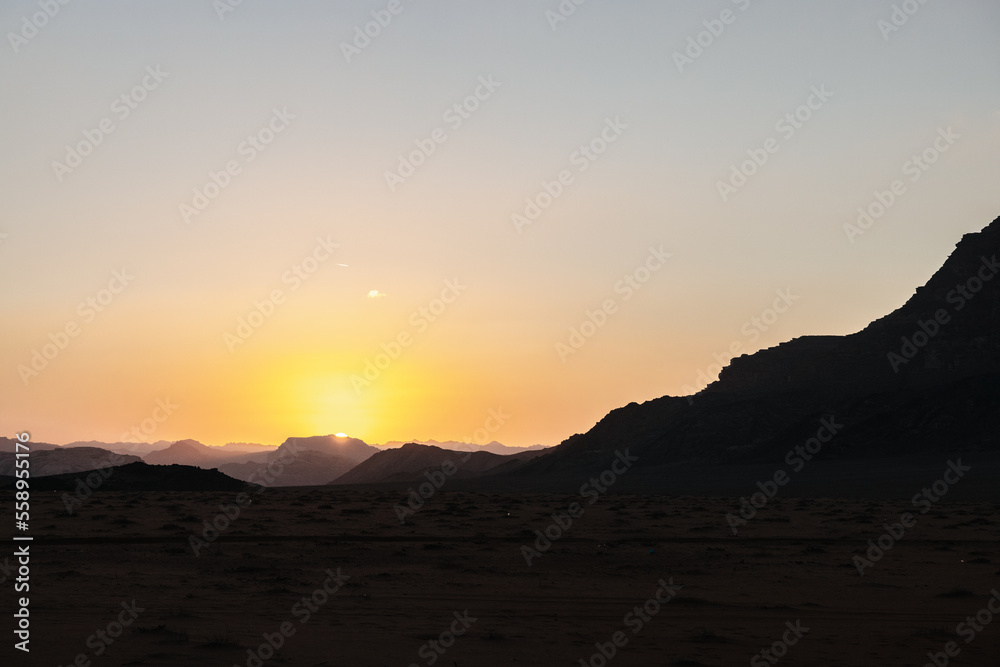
(402, 585)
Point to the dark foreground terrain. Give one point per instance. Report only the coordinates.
(401, 586)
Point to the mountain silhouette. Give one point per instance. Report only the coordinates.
(493, 447)
(139, 476)
(410, 462)
(137, 448)
(310, 461)
(186, 452)
(60, 461)
(10, 445)
(924, 379)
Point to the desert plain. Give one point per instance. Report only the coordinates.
(452, 586)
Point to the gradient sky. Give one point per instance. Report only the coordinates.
(323, 176)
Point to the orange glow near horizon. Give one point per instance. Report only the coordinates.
(313, 296)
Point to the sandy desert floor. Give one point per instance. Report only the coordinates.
(461, 553)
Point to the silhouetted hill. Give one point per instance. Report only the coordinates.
(964, 345)
(137, 448)
(59, 461)
(140, 477)
(349, 448)
(493, 447)
(9, 445)
(184, 452)
(304, 468)
(923, 379)
(194, 453)
(310, 461)
(412, 460)
(306, 461)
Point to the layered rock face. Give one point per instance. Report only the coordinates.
(946, 331)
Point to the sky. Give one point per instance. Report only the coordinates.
(478, 220)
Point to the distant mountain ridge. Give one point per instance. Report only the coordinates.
(412, 460)
(184, 452)
(298, 461)
(138, 448)
(493, 447)
(62, 461)
(303, 461)
(10, 445)
(347, 447)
